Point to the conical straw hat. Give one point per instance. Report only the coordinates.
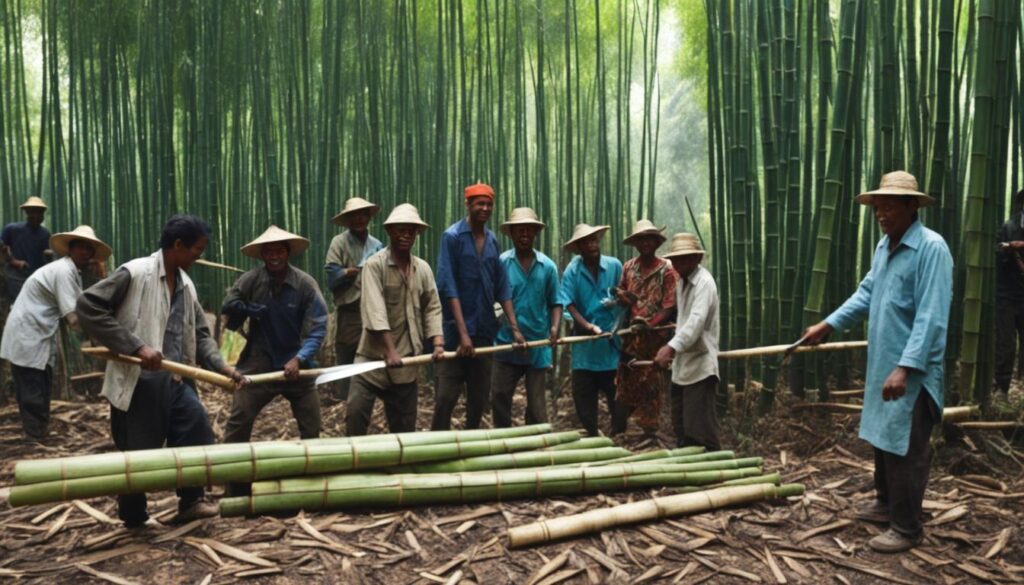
(582, 231)
(645, 227)
(521, 216)
(352, 205)
(897, 184)
(684, 244)
(33, 202)
(59, 242)
(407, 214)
(296, 244)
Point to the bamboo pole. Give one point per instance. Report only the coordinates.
(771, 350)
(1001, 425)
(653, 509)
(210, 264)
(166, 365)
(950, 414)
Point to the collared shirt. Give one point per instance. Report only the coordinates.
(27, 243)
(697, 328)
(593, 298)
(655, 291)
(533, 296)
(1009, 278)
(906, 296)
(348, 251)
(406, 306)
(30, 334)
(294, 321)
(477, 280)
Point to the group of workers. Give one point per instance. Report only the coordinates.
(654, 323)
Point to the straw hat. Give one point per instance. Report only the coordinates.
(406, 214)
(583, 231)
(645, 227)
(898, 184)
(353, 205)
(59, 242)
(684, 244)
(521, 216)
(477, 190)
(296, 244)
(33, 202)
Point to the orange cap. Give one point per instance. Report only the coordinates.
(478, 190)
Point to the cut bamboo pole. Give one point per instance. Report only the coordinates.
(653, 509)
(1001, 425)
(42, 470)
(950, 414)
(87, 377)
(846, 393)
(166, 365)
(516, 460)
(736, 354)
(584, 443)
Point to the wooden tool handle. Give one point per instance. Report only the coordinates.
(426, 358)
(166, 365)
(770, 350)
(278, 376)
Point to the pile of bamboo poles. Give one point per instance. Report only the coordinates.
(405, 469)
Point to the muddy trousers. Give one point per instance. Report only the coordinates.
(900, 481)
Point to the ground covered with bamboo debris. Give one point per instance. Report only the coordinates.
(975, 503)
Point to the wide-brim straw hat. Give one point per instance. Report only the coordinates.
(645, 227)
(353, 205)
(521, 216)
(274, 234)
(33, 202)
(684, 244)
(59, 242)
(583, 231)
(897, 184)
(406, 214)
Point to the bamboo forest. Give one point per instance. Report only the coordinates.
(782, 239)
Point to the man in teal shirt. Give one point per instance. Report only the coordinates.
(533, 280)
(586, 293)
(906, 297)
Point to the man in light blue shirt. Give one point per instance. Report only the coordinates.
(586, 293)
(906, 296)
(533, 279)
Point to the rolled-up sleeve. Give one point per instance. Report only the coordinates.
(373, 310)
(567, 290)
(933, 296)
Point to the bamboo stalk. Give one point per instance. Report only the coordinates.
(771, 350)
(1001, 425)
(950, 414)
(166, 365)
(584, 443)
(210, 264)
(653, 509)
(516, 460)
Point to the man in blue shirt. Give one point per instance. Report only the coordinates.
(587, 292)
(26, 243)
(906, 297)
(470, 279)
(287, 323)
(533, 278)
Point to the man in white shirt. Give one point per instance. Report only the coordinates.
(693, 350)
(30, 335)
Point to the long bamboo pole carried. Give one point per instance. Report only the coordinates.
(653, 509)
(735, 354)
(166, 365)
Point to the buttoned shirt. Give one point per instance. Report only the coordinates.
(406, 306)
(294, 321)
(27, 243)
(348, 251)
(30, 334)
(478, 280)
(534, 293)
(697, 328)
(594, 300)
(906, 297)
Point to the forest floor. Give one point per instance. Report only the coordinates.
(974, 508)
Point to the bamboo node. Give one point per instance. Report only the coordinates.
(178, 471)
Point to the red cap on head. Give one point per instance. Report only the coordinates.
(479, 190)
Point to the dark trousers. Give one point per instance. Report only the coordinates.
(693, 414)
(344, 354)
(162, 410)
(1009, 341)
(471, 376)
(900, 481)
(587, 385)
(32, 390)
(400, 403)
(348, 328)
(504, 378)
(247, 404)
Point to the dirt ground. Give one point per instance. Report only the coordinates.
(975, 508)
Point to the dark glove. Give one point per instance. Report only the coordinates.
(255, 310)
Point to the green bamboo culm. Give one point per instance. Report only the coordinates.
(347, 491)
(517, 460)
(584, 443)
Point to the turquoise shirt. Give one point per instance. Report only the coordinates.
(590, 297)
(907, 295)
(533, 296)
